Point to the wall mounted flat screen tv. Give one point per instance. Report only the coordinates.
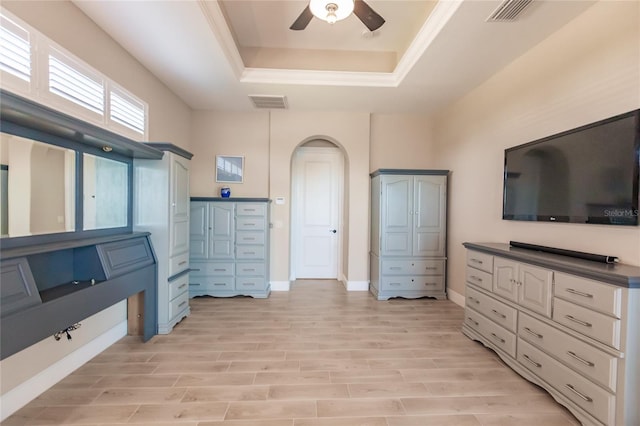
(586, 175)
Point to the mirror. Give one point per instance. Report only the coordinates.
(37, 187)
(106, 192)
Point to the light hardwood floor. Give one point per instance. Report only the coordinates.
(315, 356)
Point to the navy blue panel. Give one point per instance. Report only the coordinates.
(52, 269)
(18, 290)
(232, 200)
(409, 172)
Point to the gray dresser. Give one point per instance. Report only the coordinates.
(567, 325)
(408, 233)
(229, 241)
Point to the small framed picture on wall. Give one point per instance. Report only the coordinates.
(229, 169)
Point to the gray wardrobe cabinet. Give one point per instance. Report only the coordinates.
(229, 247)
(408, 233)
(162, 208)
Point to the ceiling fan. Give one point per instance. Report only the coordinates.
(335, 10)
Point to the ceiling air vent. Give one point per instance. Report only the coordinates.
(509, 10)
(269, 101)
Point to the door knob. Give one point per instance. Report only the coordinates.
(333, 231)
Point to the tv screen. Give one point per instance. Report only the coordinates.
(585, 175)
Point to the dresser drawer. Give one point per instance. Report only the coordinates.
(250, 223)
(249, 209)
(589, 396)
(217, 269)
(178, 263)
(250, 283)
(496, 335)
(178, 286)
(413, 267)
(211, 283)
(250, 269)
(179, 304)
(250, 252)
(480, 260)
(593, 324)
(597, 365)
(480, 278)
(497, 311)
(591, 294)
(250, 238)
(415, 283)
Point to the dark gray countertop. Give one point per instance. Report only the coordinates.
(611, 273)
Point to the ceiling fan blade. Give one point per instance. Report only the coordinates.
(368, 16)
(303, 20)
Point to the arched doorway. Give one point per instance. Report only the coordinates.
(317, 199)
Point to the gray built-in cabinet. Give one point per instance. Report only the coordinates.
(162, 208)
(408, 233)
(567, 325)
(229, 242)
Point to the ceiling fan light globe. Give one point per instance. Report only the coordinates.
(331, 10)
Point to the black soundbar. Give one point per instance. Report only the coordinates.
(577, 254)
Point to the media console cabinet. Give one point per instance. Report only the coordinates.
(565, 324)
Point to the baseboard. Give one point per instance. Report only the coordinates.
(280, 285)
(26, 392)
(456, 298)
(357, 285)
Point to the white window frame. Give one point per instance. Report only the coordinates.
(9, 80)
(38, 87)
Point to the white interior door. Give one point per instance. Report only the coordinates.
(317, 177)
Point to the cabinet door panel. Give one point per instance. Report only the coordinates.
(397, 217)
(199, 231)
(535, 289)
(179, 206)
(429, 215)
(221, 230)
(505, 277)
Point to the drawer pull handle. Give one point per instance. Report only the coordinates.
(430, 268)
(219, 284)
(248, 269)
(249, 284)
(249, 252)
(394, 283)
(194, 269)
(248, 239)
(503, 316)
(579, 293)
(395, 268)
(249, 210)
(475, 278)
(580, 359)
(474, 300)
(182, 286)
(473, 321)
(580, 394)
(530, 361)
(479, 262)
(495, 336)
(194, 284)
(430, 284)
(220, 270)
(182, 263)
(182, 304)
(576, 320)
(533, 333)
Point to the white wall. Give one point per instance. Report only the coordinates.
(587, 71)
(402, 141)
